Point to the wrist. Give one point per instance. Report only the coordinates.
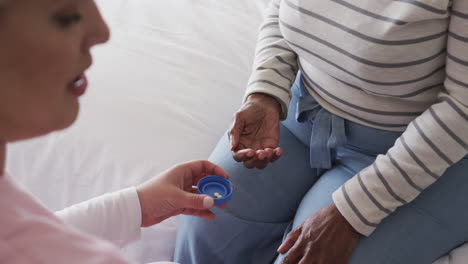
(144, 214)
(265, 100)
(336, 212)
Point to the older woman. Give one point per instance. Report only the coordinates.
(377, 116)
(44, 52)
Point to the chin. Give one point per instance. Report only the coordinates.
(69, 118)
(60, 122)
(43, 125)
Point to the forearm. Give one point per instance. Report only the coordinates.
(115, 217)
(275, 63)
(419, 157)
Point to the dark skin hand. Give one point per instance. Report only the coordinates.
(254, 134)
(325, 237)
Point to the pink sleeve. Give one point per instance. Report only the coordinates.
(29, 233)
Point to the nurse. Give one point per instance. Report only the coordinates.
(44, 53)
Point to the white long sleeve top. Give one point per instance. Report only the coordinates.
(115, 217)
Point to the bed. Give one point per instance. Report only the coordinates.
(162, 91)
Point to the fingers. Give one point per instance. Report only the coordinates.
(294, 255)
(251, 158)
(250, 164)
(277, 154)
(196, 201)
(205, 214)
(198, 205)
(201, 168)
(257, 159)
(222, 206)
(290, 240)
(308, 260)
(265, 154)
(264, 157)
(243, 155)
(194, 190)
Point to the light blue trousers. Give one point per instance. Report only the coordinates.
(267, 203)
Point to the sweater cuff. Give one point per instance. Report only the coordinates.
(352, 214)
(131, 202)
(282, 97)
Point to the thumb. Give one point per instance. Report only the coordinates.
(197, 201)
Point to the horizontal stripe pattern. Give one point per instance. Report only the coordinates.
(460, 14)
(356, 210)
(458, 82)
(387, 185)
(276, 71)
(370, 14)
(436, 149)
(416, 159)
(448, 130)
(357, 106)
(457, 60)
(457, 108)
(371, 196)
(458, 37)
(398, 65)
(404, 173)
(362, 60)
(369, 81)
(406, 95)
(425, 6)
(361, 35)
(285, 89)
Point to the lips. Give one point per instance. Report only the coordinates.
(78, 86)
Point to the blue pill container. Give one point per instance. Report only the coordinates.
(212, 184)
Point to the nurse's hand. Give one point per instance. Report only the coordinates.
(325, 237)
(173, 193)
(254, 134)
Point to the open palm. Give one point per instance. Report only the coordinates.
(255, 133)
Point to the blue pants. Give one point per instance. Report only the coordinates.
(268, 203)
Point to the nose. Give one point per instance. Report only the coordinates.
(98, 31)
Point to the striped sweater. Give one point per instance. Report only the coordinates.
(398, 65)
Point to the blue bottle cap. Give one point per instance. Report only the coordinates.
(217, 187)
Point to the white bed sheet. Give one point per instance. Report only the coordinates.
(162, 91)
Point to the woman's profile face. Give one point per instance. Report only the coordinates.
(44, 52)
